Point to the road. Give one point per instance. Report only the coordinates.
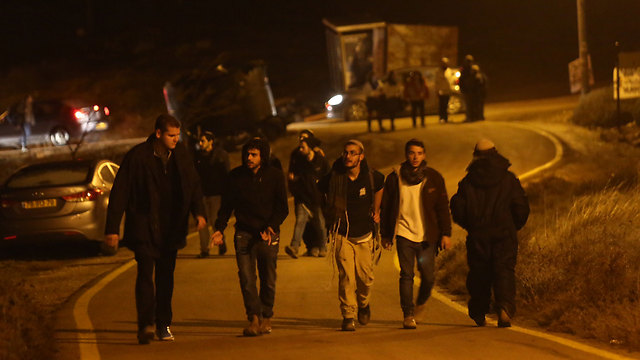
(209, 315)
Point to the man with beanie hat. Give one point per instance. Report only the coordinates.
(415, 212)
(491, 206)
(256, 193)
(353, 194)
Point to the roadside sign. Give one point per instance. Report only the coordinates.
(575, 75)
(629, 76)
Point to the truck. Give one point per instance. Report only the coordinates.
(358, 50)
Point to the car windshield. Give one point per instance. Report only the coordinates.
(50, 175)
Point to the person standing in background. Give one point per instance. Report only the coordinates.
(212, 164)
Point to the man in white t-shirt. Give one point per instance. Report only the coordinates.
(415, 212)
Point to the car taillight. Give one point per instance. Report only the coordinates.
(106, 111)
(96, 108)
(88, 195)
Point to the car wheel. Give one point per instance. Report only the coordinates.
(59, 136)
(356, 111)
(456, 104)
(107, 250)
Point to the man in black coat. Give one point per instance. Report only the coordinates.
(256, 193)
(157, 187)
(491, 206)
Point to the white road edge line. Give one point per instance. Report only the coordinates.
(87, 340)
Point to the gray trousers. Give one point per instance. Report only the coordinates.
(211, 207)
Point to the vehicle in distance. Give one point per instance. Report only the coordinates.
(56, 122)
(54, 200)
(352, 104)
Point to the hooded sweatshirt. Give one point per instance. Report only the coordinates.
(490, 201)
(258, 200)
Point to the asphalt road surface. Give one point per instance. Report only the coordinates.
(209, 314)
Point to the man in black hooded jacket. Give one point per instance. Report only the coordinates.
(256, 193)
(491, 206)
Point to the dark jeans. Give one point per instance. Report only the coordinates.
(492, 263)
(26, 133)
(443, 107)
(153, 295)
(251, 250)
(408, 252)
(417, 107)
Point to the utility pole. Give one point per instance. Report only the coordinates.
(582, 47)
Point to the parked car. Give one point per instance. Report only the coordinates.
(62, 199)
(56, 122)
(351, 104)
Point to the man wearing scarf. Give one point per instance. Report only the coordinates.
(353, 194)
(415, 212)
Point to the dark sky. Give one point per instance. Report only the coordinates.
(516, 42)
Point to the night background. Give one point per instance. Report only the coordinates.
(122, 52)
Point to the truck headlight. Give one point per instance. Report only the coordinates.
(335, 100)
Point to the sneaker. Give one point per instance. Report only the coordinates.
(254, 327)
(265, 326)
(222, 249)
(504, 321)
(145, 335)
(291, 251)
(409, 322)
(315, 252)
(364, 315)
(203, 254)
(348, 324)
(164, 334)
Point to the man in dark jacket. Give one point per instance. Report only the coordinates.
(157, 187)
(415, 211)
(305, 170)
(353, 195)
(256, 193)
(491, 206)
(212, 163)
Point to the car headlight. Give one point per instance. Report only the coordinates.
(335, 100)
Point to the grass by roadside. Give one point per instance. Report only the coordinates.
(578, 261)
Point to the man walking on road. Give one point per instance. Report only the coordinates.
(415, 211)
(157, 187)
(353, 206)
(256, 193)
(305, 170)
(212, 163)
(491, 206)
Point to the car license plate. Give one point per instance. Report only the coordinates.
(39, 204)
(101, 126)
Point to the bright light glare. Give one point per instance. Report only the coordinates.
(457, 87)
(106, 111)
(96, 107)
(336, 100)
(457, 73)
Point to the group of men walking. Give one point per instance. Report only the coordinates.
(353, 212)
